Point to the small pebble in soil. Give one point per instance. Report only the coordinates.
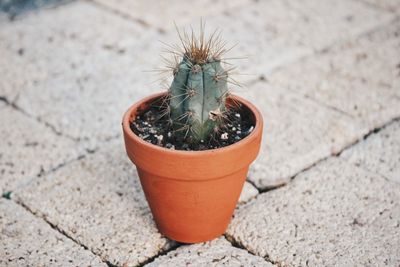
(150, 126)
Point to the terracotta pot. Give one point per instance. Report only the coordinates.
(192, 194)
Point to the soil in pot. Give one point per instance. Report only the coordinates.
(153, 126)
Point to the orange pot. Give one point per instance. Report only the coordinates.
(192, 194)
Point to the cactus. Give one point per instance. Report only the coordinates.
(199, 89)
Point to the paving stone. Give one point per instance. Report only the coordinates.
(298, 132)
(335, 214)
(248, 192)
(390, 5)
(163, 15)
(30, 241)
(218, 252)
(98, 201)
(29, 148)
(309, 23)
(271, 34)
(361, 78)
(379, 153)
(75, 69)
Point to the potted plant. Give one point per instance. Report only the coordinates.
(193, 144)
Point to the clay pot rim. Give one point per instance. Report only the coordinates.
(245, 141)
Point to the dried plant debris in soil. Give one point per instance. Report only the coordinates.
(151, 126)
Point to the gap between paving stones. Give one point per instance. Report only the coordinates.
(48, 125)
(56, 228)
(237, 244)
(252, 81)
(229, 238)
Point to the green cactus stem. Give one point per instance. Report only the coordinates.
(198, 91)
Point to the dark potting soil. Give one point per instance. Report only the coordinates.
(150, 126)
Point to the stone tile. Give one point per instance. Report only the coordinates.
(297, 133)
(98, 201)
(29, 148)
(274, 33)
(361, 78)
(76, 69)
(389, 5)
(248, 192)
(163, 15)
(335, 214)
(29, 241)
(311, 23)
(218, 252)
(379, 153)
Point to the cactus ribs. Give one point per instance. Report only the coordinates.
(193, 115)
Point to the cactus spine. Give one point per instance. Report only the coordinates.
(199, 89)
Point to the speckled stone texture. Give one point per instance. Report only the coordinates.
(163, 15)
(98, 201)
(218, 252)
(298, 132)
(379, 153)
(75, 69)
(28, 148)
(248, 193)
(389, 5)
(360, 78)
(335, 214)
(29, 241)
(271, 34)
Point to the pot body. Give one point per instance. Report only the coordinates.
(192, 194)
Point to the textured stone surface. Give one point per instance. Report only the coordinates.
(361, 78)
(248, 192)
(379, 153)
(298, 132)
(29, 241)
(335, 214)
(218, 252)
(98, 201)
(73, 67)
(28, 148)
(163, 15)
(271, 34)
(389, 5)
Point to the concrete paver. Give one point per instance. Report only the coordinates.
(297, 133)
(389, 5)
(334, 214)
(30, 241)
(360, 78)
(163, 15)
(379, 153)
(218, 252)
(75, 69)
(28, 148)
(329, 73)
(248, 193)
(98, 201)
(271, 34)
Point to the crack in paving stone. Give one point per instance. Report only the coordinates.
(175, 245)
(32, 179)
(238, 245)
(48, 125)
(56, 228)
(253, 184)
(5, 100)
